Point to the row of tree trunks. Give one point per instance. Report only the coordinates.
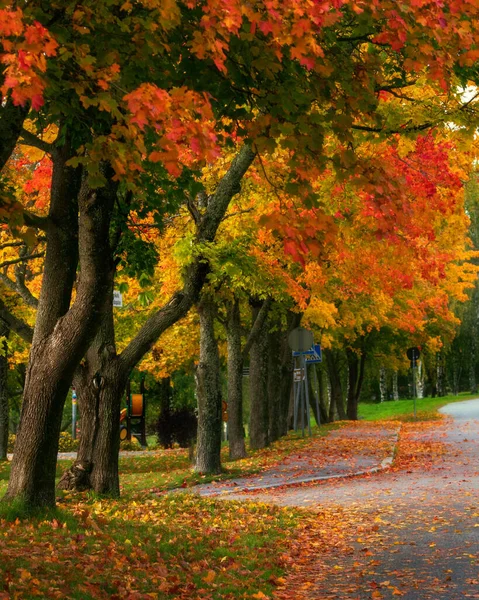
(4, 412)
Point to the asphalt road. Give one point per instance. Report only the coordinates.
(420, 521)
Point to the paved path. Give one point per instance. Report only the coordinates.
(424, 518)
(354, 449)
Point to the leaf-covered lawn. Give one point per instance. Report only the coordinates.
(150, 546)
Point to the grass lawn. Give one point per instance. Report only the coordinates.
(149, 544)
(403, 410)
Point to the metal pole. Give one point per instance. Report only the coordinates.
(316, 395)
(296, 386)
(74, 414)
(414, 383)
(302, 393)
(306, 389)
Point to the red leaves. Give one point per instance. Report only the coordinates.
(184, 121)
(25, 48)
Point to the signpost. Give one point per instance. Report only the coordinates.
(413, 354)
(305, 352)
(117, 299)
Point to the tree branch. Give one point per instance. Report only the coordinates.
(21, 259)
(257, 326)
(31, 139)
(195, 275)
(15, 324)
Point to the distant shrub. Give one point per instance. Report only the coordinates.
(67, 443)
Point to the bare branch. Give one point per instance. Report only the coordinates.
(21, 259)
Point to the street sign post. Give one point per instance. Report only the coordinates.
(305, 352)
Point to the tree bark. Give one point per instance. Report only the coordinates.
(62, 334)
(236, 433)
(274, 385)
(259, 419)
(99, 382)
(292, 321)
(208, 392)
(332, 361)
(356, 366)
(4, 409)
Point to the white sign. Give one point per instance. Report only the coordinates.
(117, 299)
(298, 375)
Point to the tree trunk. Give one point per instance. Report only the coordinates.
(356, 365)
(4, 409)
(236, 433)
(440, 375)
(287, 365)
(383, 386)
(259, 419)
(274, 385)
(395, 385)
(334, 373)
(208, 392)
(100, 383)
(62, 334)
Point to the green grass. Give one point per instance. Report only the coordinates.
(403, 410)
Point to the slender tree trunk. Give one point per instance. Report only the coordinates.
(208, 392)
(259, 419)
(440, 375)
(287, 365)
(332, 361)
(236, 433)
(395, 385)
(383, 386)
(274, 385)
(4, 409)
(356, 365)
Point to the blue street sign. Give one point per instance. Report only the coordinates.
(313, 355)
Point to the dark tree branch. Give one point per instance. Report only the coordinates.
(31, 139)
(15, 324)
(21, 259)
(257, 326)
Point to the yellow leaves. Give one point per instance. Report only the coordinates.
(209, 577)
(259, 596)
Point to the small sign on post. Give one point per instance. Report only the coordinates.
(117, 299)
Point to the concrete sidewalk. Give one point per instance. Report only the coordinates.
(357, 448)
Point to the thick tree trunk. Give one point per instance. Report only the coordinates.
(62, 334)
(4, 412)
(274, 385)
(100, 383)
(208, 392)
(259, 419)
(236, 433)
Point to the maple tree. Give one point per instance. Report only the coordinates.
(205, 61)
